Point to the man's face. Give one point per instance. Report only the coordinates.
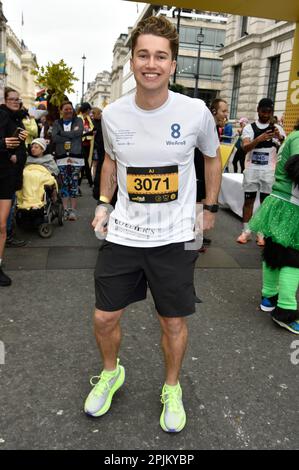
(67, 112)
(152, 63)
(265, 114)
(222, 114)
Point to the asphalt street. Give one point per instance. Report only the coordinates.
(240, 374)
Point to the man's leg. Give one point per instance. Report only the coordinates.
(174, 343)
(108, 337)
(249, 199)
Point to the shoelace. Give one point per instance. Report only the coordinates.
(102, 384)
(172, 399)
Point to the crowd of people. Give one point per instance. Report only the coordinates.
(151, 162)
(67, 149)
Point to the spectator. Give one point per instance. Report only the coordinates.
(239, 156)
(278, 219)
(260, 141)
(67, 136)
(87, 142)
(12, 160)
(99, 150)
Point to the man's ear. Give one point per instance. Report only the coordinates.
(173, 66)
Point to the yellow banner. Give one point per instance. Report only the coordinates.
(292, 106)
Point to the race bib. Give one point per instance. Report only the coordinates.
(153, 185)
(260, 158)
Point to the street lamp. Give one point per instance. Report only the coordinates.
(178, 11)
(200, 39)
(83, 71)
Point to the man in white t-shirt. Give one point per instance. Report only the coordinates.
(260, 141)
(149, 140)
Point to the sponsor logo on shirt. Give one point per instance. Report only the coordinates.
(135, 229)
(175, 134)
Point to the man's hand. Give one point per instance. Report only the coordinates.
(12, 142)
(208, 220)
(100, 221)
(267, 135)
(278, 135)
(205, 220)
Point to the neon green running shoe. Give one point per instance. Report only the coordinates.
(173, 417)
(99, 399)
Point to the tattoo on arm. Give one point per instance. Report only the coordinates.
(113, 181)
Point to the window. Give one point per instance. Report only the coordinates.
(235, 92)
(209, 69)
(212, 37)
(273, 77)
(244, 26)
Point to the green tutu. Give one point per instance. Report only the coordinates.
(279, 220)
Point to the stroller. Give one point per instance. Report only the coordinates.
(39, 202)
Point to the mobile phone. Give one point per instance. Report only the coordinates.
(272, 126)
(17, 131)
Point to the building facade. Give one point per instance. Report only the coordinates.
(256, 64)
(98, 91)
(16, 64)
(120, 52)
(191, 23)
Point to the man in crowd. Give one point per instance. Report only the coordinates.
(260, 142)
(149, 142)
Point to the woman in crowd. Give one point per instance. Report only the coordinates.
(87, 141)
(67, 137)
(99, 150)
(240, 154)
(12, 161)
(278, 220)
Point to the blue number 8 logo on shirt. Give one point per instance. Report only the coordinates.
(175, 131)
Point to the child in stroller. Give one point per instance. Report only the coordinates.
(38, 202)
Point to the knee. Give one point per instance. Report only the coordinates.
(105, 321)
(174, 326)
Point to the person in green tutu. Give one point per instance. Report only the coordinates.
(278, 219)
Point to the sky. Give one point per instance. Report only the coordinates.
(67, 29)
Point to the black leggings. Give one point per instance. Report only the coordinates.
(86, 171)
(239, 157)
(252, 195)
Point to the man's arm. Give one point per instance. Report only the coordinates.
(108, 186)
(249, 145)
(213, 173)
(108, 178)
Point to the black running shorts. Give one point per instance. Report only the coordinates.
(122, 274)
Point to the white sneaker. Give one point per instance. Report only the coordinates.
(66, 214)
(72, 215)
(244, 237)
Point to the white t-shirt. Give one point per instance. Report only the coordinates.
(261, 158)
(154, 154)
